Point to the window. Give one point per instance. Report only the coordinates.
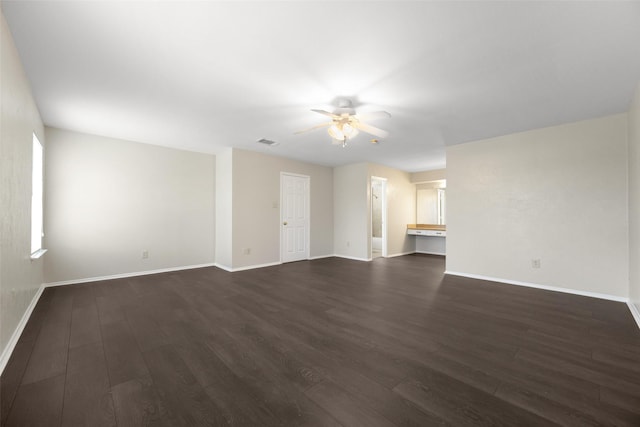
(37, 182)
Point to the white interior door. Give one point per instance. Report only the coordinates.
(294, 216)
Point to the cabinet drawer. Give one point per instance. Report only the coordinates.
(437, 233)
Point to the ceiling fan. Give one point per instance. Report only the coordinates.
(345, 123)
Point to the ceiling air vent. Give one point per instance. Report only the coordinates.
(268, 142)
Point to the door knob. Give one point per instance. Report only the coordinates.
(284, 223)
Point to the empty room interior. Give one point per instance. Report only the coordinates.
(320, 213)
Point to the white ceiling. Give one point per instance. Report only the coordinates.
(207, 75)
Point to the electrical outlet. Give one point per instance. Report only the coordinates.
(535, 263)
(145, 254)
(246, 251)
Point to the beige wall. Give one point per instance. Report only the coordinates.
(351, 211)
(401, 209)
(557, 194)
(256, 207)
(20, 277)
(224, 209)
(109, 200)
(376, 208)
(428, 176)
(634, 201)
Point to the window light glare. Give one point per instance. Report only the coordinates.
(37, 182)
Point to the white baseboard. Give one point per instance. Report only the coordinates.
(431, 253)
(271, 264)
(353, 258)
(399, 254)
(369, 259)
(251, 267)
(223, 267)
(634, 312)
(125, 275)
(11, 345)
(537, 286)
(322, 257)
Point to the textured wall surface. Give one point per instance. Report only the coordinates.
(557, 194)
(401, 207)
(110, 200)
(350, 211)
(634, 200)
(256, 210)
(20, 277)
(224, 208)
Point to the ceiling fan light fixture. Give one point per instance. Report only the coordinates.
(342, 131)
(345, 124)
(336, 133)
(349, 131)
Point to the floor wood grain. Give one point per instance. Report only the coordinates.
(329, 342)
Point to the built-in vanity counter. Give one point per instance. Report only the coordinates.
(430, 231)
(434, 241)
(427, 230)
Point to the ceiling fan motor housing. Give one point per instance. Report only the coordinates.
(345, 107)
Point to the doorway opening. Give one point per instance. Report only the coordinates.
(378, 217)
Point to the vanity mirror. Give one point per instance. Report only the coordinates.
(431, 203)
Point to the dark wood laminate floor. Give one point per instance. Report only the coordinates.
(329, 342)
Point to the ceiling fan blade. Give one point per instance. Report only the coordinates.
(373, 115)
(323, 125)
(325, 113)
(372, 130)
